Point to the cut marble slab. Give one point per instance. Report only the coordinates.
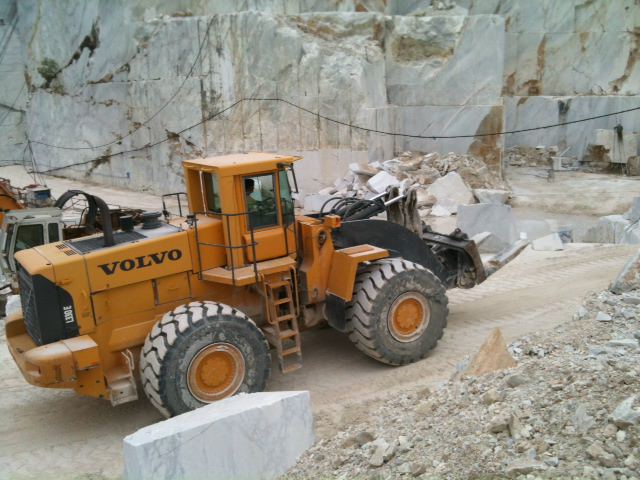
(488, 217)
(550, 243)
(450, 192)
(251, 436)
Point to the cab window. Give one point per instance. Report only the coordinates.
(29, 236)
(53, 232)
(285, 198)
(260, 200)
(212, 192)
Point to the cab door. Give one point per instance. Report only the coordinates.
(23, 236)
(267, 199)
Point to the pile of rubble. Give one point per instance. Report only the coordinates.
(541, 156)
(570, 409)
(524, 156)
(443, 182)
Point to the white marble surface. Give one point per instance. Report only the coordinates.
(487, 242)
(613, 229)
(13, 94)
(549, 243)
(523, 112)
(401, 66)
(451, 192)
(252, 436)
(568, 47)
(354, 67)
(13, 305)
(488, 217)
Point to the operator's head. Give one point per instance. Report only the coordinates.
(249, 184)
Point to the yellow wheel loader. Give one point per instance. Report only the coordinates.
(193, 305)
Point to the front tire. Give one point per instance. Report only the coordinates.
(200, 353)
(398, 311)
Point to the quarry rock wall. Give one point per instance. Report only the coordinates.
(13, 94)
(104, 77)
(567, 60)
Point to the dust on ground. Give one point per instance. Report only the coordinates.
(54, 433)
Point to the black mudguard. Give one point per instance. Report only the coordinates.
(398, 240)
(455, 261)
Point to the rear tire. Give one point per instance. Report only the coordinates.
(398, 311)
(200, 353)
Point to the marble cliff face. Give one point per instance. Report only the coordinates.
(93, 73)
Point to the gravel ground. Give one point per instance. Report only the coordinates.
(570, 409)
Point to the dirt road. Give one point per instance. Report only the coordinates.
(54, 434)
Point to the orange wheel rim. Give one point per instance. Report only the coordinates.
(408, 317)
(216, 372)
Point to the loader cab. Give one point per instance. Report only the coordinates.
(251, 196)
(28, 228)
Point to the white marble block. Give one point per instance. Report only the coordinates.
(451, 192)
(550, 243)
(488, 217)
(381, 181)
(252, 436)
(315, 202)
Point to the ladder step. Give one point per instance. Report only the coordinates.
(283, 334)
(288, 333)
(291, 351)
(278, 284)
(291, 368)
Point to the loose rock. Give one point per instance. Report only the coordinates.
(364, 437)
(492, 356)
(491, 196)
(492, 396)
(525, 466)
(598, 453)
(499, 423)
(516, 380)
(625, 415)
(570, 390)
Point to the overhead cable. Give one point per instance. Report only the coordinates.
(332, 120)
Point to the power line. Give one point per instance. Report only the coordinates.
(34, 165)
(146, 122)
(11, 108)
(150, 145)
(339, 122)
(8, 37)
(436, 137)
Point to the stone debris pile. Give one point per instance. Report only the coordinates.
(443, 182)
(542, 156)
(570, 409)
(524, 156)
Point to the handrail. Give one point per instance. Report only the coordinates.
(193, 220)
(165, 212)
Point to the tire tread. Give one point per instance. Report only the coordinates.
(360, 312)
